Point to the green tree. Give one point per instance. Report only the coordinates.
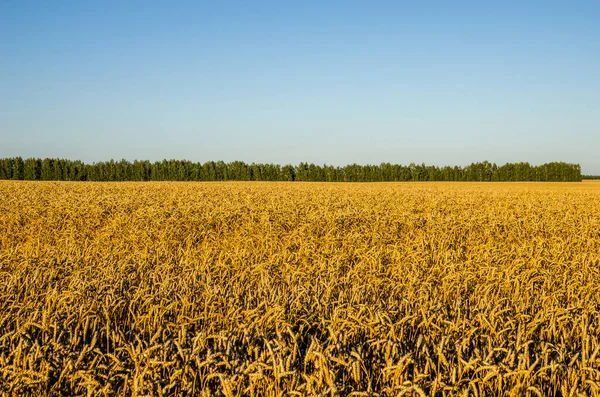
(18, 169)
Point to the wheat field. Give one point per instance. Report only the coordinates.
(283, 289)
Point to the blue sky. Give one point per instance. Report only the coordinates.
(337, 82)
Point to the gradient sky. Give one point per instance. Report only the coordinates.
(336, 82)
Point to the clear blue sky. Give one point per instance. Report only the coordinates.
(440, 82)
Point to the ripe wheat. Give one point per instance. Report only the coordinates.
(272, 289)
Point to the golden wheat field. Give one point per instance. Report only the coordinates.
(282, 289)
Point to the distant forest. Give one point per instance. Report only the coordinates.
(182, 170)
(591, 176)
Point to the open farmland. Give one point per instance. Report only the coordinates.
(271, 289)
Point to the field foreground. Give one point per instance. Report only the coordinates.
(271, 289)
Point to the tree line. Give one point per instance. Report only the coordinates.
(590, 176)
(49, 169)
